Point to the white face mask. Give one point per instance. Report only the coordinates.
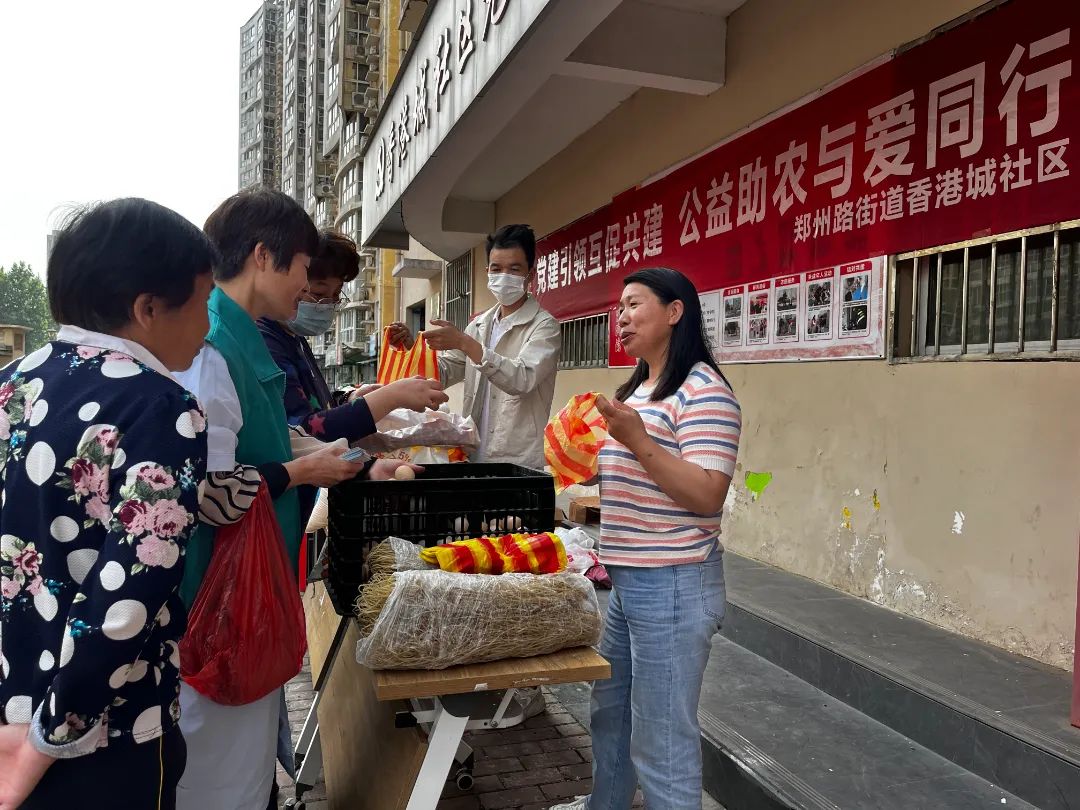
(506, 288)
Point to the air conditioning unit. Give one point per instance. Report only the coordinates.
(324, 189)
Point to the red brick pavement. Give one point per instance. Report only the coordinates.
(544, 761)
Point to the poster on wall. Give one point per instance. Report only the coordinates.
(819, 304)
(710, 316)
(793, 317)
(973, 131)
(758, 328)
(787, 309)
(734, 304)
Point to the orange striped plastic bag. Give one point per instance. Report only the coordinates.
(509, 554)
(396, 362)
(572, 441)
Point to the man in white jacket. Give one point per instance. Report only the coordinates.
(507, 357)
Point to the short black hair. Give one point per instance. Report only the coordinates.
(110, 253)
(259, 215)
(336, 258)
(514, 236)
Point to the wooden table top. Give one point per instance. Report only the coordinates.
(565, 666)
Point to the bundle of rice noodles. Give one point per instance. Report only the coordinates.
(394, 554)
(437, 619)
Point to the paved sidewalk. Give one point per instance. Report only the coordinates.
(298, 697)
(544, 761)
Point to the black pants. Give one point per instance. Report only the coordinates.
(124, 775)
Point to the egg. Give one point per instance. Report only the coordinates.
(461, 525)
(404, 473)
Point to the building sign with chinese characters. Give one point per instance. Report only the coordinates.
(460, 48)
(964, 135)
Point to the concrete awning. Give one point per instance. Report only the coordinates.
(417, 268)
(548, 71)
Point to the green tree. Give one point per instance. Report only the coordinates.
(23, 301)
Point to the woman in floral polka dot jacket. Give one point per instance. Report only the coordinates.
(101, 456)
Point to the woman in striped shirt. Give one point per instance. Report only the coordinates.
(664, 474)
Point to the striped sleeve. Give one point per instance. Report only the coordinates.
(708, 422)
(228, 496)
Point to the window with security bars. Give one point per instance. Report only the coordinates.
(1007, 296)
(457, 290)
(584, 342)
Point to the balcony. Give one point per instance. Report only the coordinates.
(354, 94)
(417, 268)
(318, 345)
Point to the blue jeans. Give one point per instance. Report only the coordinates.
(645, 728)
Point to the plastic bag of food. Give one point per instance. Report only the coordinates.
(403, 428)
(580, 556)
(245, 633)
(572, 441)
(511, 553)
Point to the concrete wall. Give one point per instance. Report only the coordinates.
(944, 490)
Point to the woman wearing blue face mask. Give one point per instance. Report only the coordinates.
(307, 396)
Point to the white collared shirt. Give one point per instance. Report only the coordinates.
(499, 327)
(99, 340)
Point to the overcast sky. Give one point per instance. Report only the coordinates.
(114, 98)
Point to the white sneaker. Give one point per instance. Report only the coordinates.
(576, 804)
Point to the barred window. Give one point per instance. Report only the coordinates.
(1007, 296)
(458, 290)
(584, 342)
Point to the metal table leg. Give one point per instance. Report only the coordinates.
(447, 730)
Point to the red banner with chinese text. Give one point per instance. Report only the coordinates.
(965, 135)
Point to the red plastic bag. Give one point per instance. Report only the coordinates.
(245, 634)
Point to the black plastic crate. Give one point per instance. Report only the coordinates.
(434, 508)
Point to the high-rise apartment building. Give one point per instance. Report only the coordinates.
(318, 170)
(304, 135)
(351, 97)
(294, 78)
(260, 97)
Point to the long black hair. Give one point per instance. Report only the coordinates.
(690, 344)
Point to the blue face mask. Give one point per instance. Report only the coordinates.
(312, 319)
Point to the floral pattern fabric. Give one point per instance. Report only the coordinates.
(101, 457)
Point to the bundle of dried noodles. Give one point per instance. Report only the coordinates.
(438, 619)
